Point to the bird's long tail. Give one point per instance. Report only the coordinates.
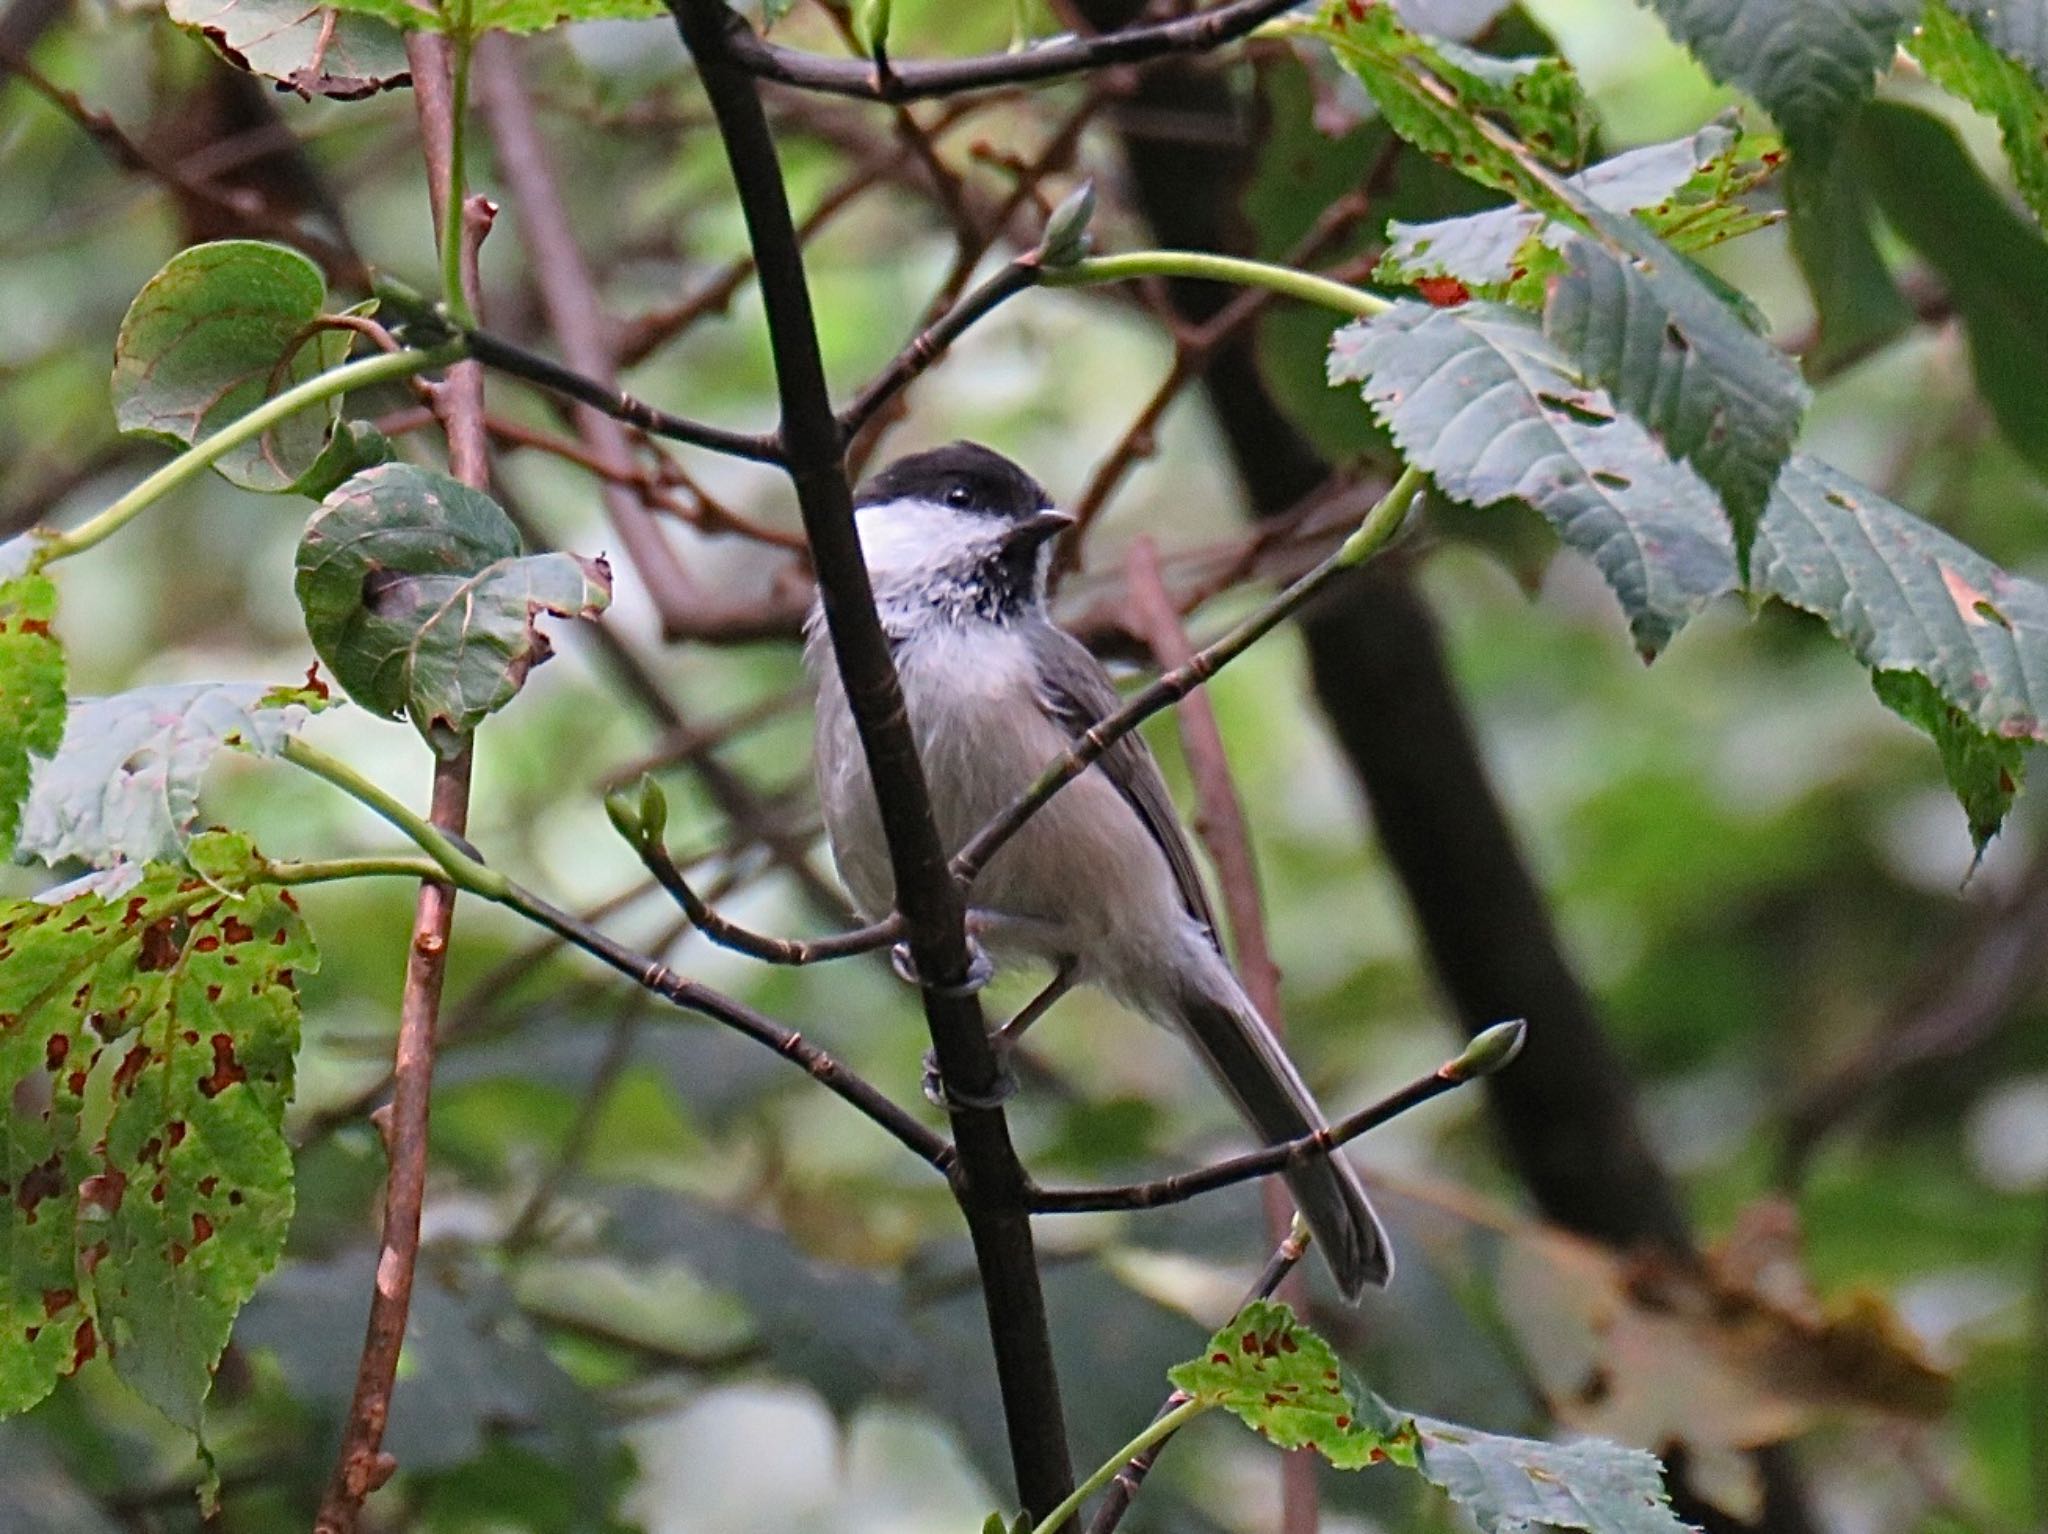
(1249, 1063)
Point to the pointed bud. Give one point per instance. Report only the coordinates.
(624, 814)
(653, 809)
(1489, 1052)
(1066, 232)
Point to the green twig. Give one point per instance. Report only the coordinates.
(1235, 270)
(1159, 1428)
(452, 222)
(201, 456)
(329, 870)
(460, 868)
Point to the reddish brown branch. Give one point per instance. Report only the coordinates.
(361, 1465)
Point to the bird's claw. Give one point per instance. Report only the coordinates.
(980, 970)
(939, 1095)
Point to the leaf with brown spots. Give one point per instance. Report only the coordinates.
(151, 1183)
(1279, 1377)
(31, 688)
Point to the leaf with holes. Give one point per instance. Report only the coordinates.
(31, 690)
(1481, 400)
(307, 48)
(1984, 771)
(1691, 191)
(123, 789)
(146, 1064)
(1809, 64)
(420, 602)
(1636, 318)
(1996, 80)
(1277, 1376)
(1511, 1484)
(1433, 93)
(1905, 597)
(472, 18)
(219, 330)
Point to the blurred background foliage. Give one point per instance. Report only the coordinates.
(671, 1286)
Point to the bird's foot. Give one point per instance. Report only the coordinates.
(939, 1095)
(980, 970)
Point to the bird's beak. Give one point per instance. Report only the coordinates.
(1038, 528)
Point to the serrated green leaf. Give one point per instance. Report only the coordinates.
(1991, 260)
(1994, 80)
(124, 786)
(1279, 1377)
(1480, 399)
(2017, 29)
(1432, 91)
(1689, 191)
(1511, 1484)
(1809, 64)
(473, 18)
(220, 329)
(1636, 318)
(308, 48)
(420, 602)
(1907, 598)
(1984, 771)
(31, 690)
(146, 1064)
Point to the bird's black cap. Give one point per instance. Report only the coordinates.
(963, 475)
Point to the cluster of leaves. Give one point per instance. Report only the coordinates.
(1579, 362)
(152, 1015)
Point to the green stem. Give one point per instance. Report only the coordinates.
(328, 870)
(456, 299)
(201, 456)
(1159, 1429)
(457, 866)
(1383, 521)
(1231, 269)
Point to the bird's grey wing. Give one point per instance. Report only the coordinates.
(1076, 692)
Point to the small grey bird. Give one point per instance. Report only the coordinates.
(1100, 884)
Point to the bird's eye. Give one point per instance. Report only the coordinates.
(959, 495)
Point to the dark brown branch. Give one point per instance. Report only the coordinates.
(727, 934)
(545, 373)
(652, 975)
(930, 345)
(361, 1465)
(1488, 1053)
(1116, 1500)
(918, 79)
(989, 1182)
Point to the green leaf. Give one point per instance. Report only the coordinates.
(1636, 318)
(472, 18)
(1277, 1376)
(2019, 31)
(1481, 400)
(1810, 63)
(1859, 306)
(31, 689)
(1985, 771)
(124, 786)
(1908, 599)
(1689, 191)
(1971, 62)
(1432, 91)
(307, 49)
(420, 602)
(1993, 262)
(220, 329)
(1510, 1484)
(146, 1066)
